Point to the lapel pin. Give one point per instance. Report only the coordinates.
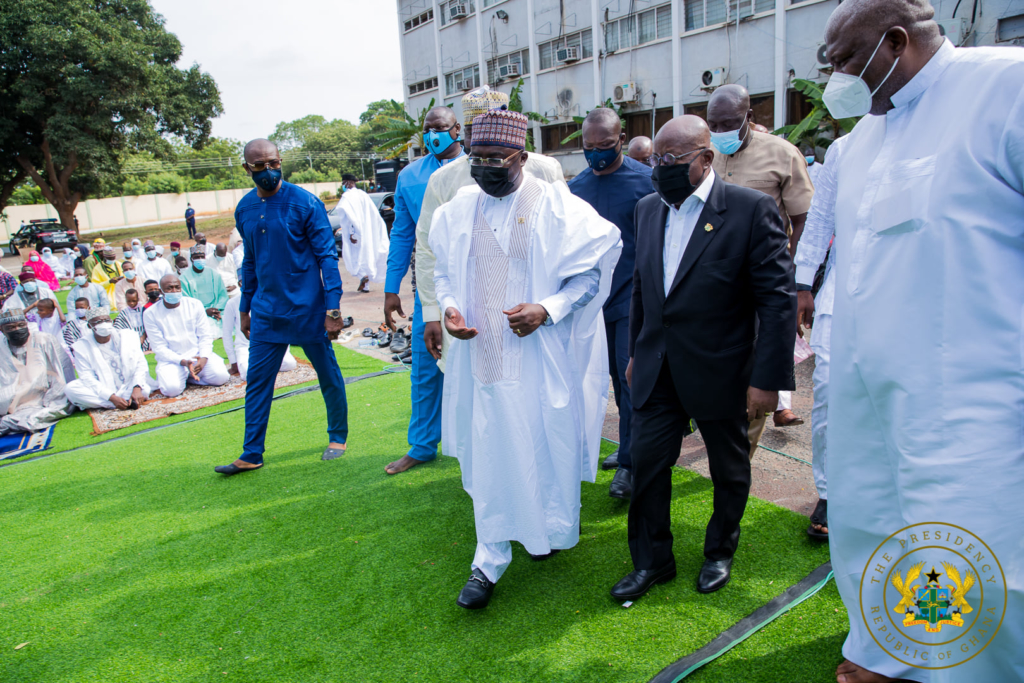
(522, 219)
(708, 227)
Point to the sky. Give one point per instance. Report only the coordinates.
(279, 61)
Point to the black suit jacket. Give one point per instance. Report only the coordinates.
(731, 278)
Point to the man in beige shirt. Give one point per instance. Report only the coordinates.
(441, 189)
(767, 163)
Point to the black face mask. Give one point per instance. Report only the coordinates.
(18, 337)
(493, 181)
(153, 296)
(672, 183)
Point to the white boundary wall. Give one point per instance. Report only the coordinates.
(146, 209)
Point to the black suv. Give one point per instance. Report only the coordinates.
(43, 232)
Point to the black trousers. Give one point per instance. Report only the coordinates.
(658, 430)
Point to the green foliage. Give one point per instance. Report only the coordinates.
(608, 104)
(515, 103)
(84, 83)
(380, 108)
(166, 183)
(27, 193)
(291, 134)
(818, 129)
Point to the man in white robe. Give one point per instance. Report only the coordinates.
(150, 266)
(112, 372)
(526, 385)
(236, 344)
(181, 336)
(925, 454)
(364, 235)
(33, 373)
(225, 267)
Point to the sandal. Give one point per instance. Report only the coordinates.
(367, 332)
(347, 322)
(820, 518)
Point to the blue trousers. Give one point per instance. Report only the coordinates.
(264, 362)
(427, 385)
(618, 358)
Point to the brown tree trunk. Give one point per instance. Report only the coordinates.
(56, 186)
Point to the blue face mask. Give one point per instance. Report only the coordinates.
(198, 265)
(727, 143)
(33, 258)
(172, 297)
(30, 287)
(80, 280)
(174, 253)
(267, 179)
(439, 142)
(600, 159)
(810, 160)
(129, 274)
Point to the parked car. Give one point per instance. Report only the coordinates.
(385, 203)
(39, 233)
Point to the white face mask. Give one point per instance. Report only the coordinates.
(104, 329)
(849, 96)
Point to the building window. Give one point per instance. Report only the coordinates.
(552, 136)
(519, 60)
(467, 6)
(549, 50)
(428, 84)
(488, 3)
(701, 13)
(639, 123)
(419, 20)
(462, 80)
(638, 28)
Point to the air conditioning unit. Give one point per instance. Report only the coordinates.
(626, 92)
(457, 11)
(954, 29)
(567, 55)
(712, 78)
(822, 57)
(508, 71)
(464, 85)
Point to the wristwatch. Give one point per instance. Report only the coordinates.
(334, 313)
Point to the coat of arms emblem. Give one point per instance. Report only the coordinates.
(933, 605)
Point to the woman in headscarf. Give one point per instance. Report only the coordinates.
(51, 259)
(43, 272)
(83, 254)
(67, 263)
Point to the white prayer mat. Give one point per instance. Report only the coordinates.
(193, 398)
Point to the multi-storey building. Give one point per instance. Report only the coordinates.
(655, 58)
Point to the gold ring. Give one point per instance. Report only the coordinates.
(518, 332)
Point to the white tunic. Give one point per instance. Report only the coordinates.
(927, 395)
(116, 367)
(180, 333)
(368, 257)
(524, 415)
(152, 269)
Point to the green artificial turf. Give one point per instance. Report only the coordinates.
(134, 562)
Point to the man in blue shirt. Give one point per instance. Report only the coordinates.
(441, 136)
(613, 186)
(291, 289)
(190, 221)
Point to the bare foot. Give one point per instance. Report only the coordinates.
(399, 466)
(243, 465)
(848, 672)
(786, 418)
(819, 528)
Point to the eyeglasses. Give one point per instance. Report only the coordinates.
(493, 162)
(671, 159)
(264, 165)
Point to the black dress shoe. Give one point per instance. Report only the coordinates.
(622, 484)
(477, 592)
(640, 581)
(713, 575)
(546, 556)
(233, 469)
(611, 462)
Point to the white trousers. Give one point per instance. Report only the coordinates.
(171, 377)
(492, 559)
(85, 398)
(821, 340)
(288, 363)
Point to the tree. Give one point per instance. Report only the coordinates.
(608, 104)
(515, 103)
(291, 134)
(380, 108)
(400, 131)
(85, 82)
(818, 128)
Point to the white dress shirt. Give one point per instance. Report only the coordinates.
(152, 269)
(679, 225)
(179, 333)
(819, 229)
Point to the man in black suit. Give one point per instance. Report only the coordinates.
(712, 323)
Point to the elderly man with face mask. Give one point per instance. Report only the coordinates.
(112, 372)
(34, 371)
(206, 285)
(522, 271)
(150, 266)
(925, 456)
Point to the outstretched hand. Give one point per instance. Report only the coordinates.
(456, 325)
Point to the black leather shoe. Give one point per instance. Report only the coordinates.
(622, 484)
(477, 592)
(640, 581)
(713, 575)
(611, 462)
(233, 469)
(541, 558)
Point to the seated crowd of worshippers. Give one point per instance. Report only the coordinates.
(93, 355)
